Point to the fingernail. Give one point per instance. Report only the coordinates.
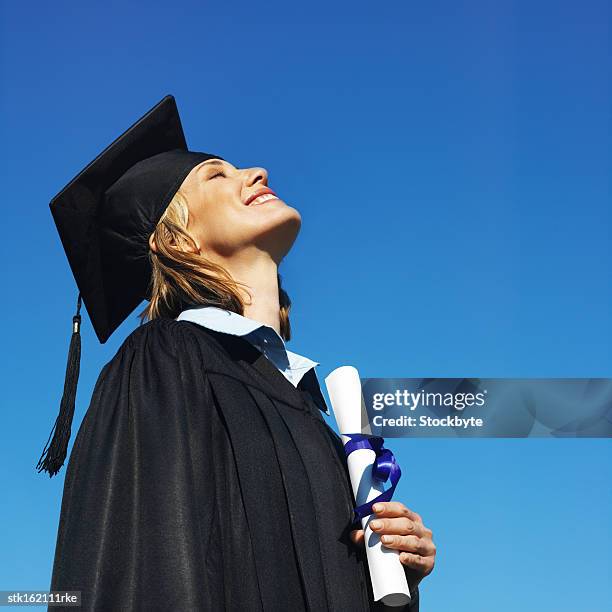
(386, 538)
(375, 524)
(377, 507)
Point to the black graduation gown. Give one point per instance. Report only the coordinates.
(202, 479)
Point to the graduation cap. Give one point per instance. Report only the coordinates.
(104, 217)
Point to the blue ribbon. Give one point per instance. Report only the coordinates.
(385, 467)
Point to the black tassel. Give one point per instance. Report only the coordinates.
(54, 454)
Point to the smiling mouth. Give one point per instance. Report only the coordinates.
(263, 198)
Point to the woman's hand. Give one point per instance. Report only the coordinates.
(402, 529)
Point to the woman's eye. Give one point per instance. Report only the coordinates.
(217, 174)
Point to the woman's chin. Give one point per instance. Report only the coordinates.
(277, 238)
(279, 215)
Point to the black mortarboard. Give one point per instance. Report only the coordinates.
(104, 217)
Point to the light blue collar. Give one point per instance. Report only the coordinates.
(265, 338)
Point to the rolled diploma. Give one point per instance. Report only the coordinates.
(389, 582)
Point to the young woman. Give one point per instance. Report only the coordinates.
(203, 476)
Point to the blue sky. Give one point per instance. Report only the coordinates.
(451, 162)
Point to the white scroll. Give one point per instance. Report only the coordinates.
(389, 582)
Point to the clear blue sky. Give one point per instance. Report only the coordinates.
(451, 162)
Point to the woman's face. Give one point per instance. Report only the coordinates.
(227, 220)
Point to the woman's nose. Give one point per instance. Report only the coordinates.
(257, 175)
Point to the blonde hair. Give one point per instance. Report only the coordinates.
(181, 279)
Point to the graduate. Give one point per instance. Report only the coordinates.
(203, 476)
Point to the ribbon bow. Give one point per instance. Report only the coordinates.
(385, 467)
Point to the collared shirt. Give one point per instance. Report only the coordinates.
(263, 337)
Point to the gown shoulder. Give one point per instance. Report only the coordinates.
(137, 490)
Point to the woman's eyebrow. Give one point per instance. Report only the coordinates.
(214, 162)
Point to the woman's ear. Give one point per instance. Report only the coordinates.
(152, 244)
(191, 246)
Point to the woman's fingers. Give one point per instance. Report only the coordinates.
(400, 525)
(402, 529)
(393, 509)
(410, 543)
(357, 536)
(423, 565)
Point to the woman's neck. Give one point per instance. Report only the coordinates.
(261, 277)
